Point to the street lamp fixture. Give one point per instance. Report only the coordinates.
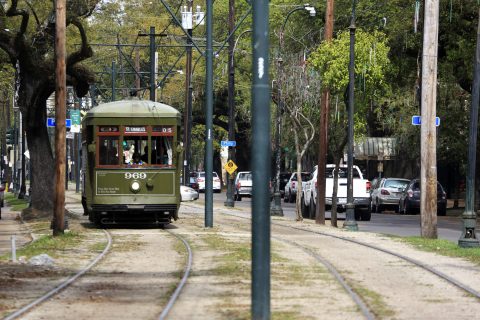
(311, 10)
(276, 207)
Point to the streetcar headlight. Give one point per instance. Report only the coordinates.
(135, 186)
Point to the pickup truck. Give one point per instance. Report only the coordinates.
(361, 192)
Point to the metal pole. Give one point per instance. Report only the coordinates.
(60, 115)
(187, 114)
(78, 147)
(66, 164)
(231, 101)
(23, 186)
(323, 127)
(468, 239)
(276, 208)
(350, 222)
(428, 170)
(260, 163)
(15, 149)
(14, 248)
(114, 79)
(152, 64)
(209, 119)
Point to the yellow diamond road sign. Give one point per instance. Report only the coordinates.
(231, 167)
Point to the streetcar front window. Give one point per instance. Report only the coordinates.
(108, 150)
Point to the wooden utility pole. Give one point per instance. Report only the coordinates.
(60, 115)
(428, 172)
(323, 128)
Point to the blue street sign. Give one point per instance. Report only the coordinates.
(228, 143)
(417, 120)
(51, 122)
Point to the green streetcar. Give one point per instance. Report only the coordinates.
(131, 163)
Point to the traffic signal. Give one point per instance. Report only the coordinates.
(10, 137)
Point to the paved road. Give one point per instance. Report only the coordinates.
(449, 227)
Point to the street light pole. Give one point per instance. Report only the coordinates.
(188, 23)
(231, 101)
(260, 281)
(209, 119)
(468, 238)
(350, 222)
(276, 207)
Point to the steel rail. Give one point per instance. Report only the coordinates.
(333, 271)
(182, 282)
(417, 263)
(424, 266)
(355, 297)
(64, 284)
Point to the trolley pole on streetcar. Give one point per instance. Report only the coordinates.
(350, 222)
(60, 115)
(153, 65)
(260, 163)
(153, 91)
(209, 119)
(114, 79)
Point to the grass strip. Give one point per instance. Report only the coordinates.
(15, 203)
(444, 247)
(53, 246)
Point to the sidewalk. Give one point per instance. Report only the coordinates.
(10, 225)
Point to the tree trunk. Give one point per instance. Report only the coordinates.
(32, 103)
(298, 205)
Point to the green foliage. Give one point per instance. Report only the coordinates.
(53, 246)
(371, 62)
(15, 203)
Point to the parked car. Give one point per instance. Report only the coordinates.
(361, 192)
(292, 186)
(386, 192)
(193, 183)
(243, 185)
(2, 191)
(284, 177)
(200, 176)
(188, 194)
(410, 199)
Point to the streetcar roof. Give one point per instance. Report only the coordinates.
(133, 108)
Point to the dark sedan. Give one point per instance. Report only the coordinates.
(410, 199)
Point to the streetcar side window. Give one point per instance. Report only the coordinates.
(162, 150)
(108, 151)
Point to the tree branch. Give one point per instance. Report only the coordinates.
(85, 50)
(12, 12)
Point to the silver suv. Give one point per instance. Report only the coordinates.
(243, 185)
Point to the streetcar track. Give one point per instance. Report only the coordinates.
(331, 268)
(415, 262)
(65, 283)
(429, 269)
(183, 281)
(365, 310)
